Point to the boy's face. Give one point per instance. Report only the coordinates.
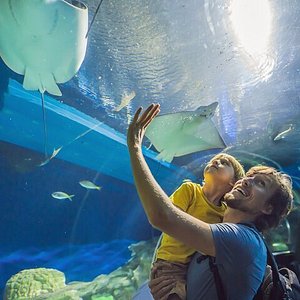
(219, 171)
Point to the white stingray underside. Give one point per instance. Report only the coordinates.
(44, 40)
(183, 133)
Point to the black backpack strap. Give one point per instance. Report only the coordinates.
(271, 261)
(217, 278)
(275, 272)
(218, 281)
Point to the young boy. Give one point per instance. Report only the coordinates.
(203, 202)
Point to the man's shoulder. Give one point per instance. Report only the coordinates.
(238, 244)
(239, 236)
(236, 229)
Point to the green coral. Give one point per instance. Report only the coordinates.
(120, 284)
(34, 282)
(96, 297)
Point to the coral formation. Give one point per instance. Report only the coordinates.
(49, 284)
(34, 282)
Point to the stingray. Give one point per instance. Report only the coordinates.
(182, 133)
(44, 40)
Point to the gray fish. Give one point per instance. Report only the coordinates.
(126, 98)
(62, 195)
(89, 185)
(283, 134)
(55, 152)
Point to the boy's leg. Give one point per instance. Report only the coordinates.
(176, 272)
(174, 297)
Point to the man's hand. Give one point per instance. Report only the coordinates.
(139, 124)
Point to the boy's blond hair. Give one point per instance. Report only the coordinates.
(239, 171)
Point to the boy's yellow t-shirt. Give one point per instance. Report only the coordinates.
(190, 198)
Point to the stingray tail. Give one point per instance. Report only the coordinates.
(49, 84)
(45, 126)
(94, 17)
(40, 81)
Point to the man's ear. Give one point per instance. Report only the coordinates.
(268, 209)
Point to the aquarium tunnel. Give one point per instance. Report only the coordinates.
(72, 75)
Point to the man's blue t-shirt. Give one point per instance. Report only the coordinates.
(241, 258)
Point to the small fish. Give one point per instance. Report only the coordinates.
(126, 98)
(62, 195)
(283, 134)
(55, 152)
(89, 185)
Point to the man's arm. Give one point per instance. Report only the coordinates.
(159, 209)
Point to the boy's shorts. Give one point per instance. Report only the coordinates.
(173, 270)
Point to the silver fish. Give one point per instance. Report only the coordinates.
(62, 195)
(89, 185)
(284, 133)
(126, 98)
(55, 152)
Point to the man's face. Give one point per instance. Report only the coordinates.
(251, 194)
(220, 171)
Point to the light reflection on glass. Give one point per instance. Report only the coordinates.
(252, 20)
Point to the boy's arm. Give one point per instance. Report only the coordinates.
(159, 209)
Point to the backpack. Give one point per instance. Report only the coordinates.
(278, 284)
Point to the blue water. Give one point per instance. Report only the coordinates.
(83, 238)
(78, 262)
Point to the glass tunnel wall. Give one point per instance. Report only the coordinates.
(68, 199)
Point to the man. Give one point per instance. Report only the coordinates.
(204, 202)
(262, 198)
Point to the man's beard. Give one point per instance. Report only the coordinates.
(228, 198)
(234, 203)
